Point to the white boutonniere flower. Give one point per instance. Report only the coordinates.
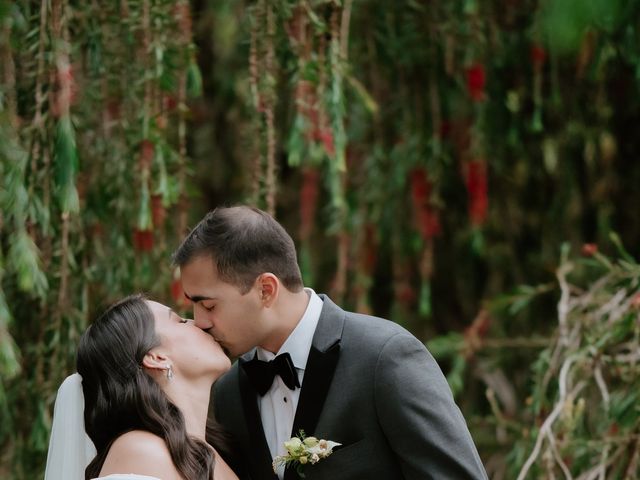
(302, 450)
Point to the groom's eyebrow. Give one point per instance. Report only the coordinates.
(198, 298)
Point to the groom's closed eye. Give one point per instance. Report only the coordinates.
(208, 308)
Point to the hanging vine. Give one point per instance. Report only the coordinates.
(427, 158)
(88, 94)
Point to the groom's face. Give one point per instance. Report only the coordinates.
(220, 309)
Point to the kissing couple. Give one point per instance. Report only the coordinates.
(158, 397)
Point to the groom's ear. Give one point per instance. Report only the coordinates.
(155, 360)
(268, 288)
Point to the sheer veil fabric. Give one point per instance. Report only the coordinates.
(70, 448)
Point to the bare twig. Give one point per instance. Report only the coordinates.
(516, 342)
(556, 455)
(344, 30)
(602, 386)
(612, 305)
(546, 426)
(632, 467)
(563, 303)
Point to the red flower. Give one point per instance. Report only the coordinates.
(143, 240)
(589, 249)
(445, 129)
(66, 93)
(426, 217)
(158, 212)
(476, 80)
(326, 136)
(170, 102)
(538, 56)
(476, 182)
(147, 149)
(430, 223)
(420, 187)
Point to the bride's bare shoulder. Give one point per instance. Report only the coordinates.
(140, 453)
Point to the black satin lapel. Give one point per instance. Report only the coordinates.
(260, 460)
(315, 385)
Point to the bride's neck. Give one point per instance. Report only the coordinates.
(193, 402)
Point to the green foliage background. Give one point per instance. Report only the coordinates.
(375, 131)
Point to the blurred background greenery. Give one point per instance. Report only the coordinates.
(429, 158)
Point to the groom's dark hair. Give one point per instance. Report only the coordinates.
(244, 242)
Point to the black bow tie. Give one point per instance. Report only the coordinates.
(261, 374)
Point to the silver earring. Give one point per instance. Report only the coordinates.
(169, 372)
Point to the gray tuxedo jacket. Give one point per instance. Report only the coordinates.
(370, 385)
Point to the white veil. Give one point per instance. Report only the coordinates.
(70, 448)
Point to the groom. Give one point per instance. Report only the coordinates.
(306, 364)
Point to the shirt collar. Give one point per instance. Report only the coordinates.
(298, 343)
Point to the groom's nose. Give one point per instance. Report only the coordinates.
(200, 318)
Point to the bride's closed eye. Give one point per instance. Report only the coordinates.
(186, 320)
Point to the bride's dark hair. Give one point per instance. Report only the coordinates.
(120, 396)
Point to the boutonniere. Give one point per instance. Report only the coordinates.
(302, 450)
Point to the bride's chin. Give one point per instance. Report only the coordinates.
(221, 369)
(226, 367)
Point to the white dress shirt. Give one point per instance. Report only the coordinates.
(278, 405)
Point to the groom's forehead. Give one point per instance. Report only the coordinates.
(200, 272)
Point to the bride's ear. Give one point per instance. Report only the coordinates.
(154, 360)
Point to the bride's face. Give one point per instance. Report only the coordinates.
(192, 353)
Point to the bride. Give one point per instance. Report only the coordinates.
(146, 376)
